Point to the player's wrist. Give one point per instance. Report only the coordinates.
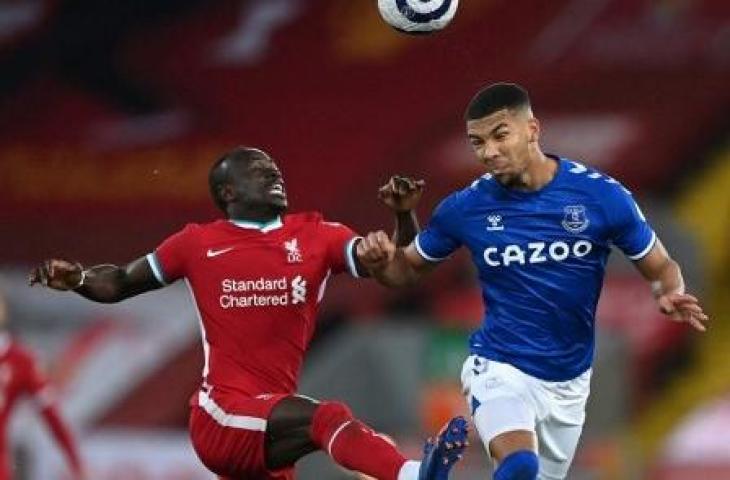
(657, 289)
(660, 289)
(82, 279)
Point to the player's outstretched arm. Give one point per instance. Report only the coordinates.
(401, 195)
(667, 284)
(101, 283)
(390, 265)
(65, 440)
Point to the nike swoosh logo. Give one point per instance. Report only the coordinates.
(214, 253)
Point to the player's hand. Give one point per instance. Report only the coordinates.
(683, 307)
(57, 274)
(401, 194)
(375, 251)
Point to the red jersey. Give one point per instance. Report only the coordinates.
(19, 376)
(257, 289)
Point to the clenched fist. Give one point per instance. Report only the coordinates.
(401, 194)
(57, 274)
(375, 251)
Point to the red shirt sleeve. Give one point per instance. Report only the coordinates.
(169, 261)
(340, 247)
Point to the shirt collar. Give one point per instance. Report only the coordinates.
(264, 227)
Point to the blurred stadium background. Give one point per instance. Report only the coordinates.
(111, 112)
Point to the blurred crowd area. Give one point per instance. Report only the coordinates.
(112, 111)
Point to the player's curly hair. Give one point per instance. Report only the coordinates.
(496, 97)
(219, 174)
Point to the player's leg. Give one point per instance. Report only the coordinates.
(514, 455)
(559, 432)
(557, 448)
(298, 426)
(504, 416)
(288, 432)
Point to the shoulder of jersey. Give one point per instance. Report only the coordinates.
(458, 197)
(193, 227)
(484, 181)
(592, 179)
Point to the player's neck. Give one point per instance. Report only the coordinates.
(261, 216)
(540, 170)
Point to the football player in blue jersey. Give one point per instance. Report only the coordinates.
(539, 228)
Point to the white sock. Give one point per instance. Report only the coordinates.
(409, 470)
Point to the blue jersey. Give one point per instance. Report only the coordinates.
(541, 258)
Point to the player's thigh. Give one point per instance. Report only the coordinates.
(559, 432)
(502, 410)
(228, 433)
(557, 446)
(288, 436)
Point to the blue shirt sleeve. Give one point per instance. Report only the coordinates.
(440, 238)
(630, 231)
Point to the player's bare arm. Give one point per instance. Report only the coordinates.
(667, 283)
(390, 265)
(101, 283)
(401, 195)
(382, 257)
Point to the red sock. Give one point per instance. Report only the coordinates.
(354, 445)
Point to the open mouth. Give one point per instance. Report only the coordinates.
(497, 168)
(277, 190)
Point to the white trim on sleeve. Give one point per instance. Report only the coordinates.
(350, 256)
(648, 248)
(229, 420)
(428, 257)
(156, 267)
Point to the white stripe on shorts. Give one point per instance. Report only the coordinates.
(227, 419)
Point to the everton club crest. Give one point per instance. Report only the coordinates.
(575, 220)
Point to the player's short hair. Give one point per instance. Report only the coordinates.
(496, 97)
(219, 173)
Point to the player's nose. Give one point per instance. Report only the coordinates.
(489, 154)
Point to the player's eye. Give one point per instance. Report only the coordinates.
(501, 135)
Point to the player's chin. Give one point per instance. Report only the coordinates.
(503, 177)
(279, 205)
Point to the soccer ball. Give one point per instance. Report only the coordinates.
(418, 16)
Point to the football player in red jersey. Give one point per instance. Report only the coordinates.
(257, 278)
(20, 376)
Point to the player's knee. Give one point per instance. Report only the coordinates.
(333, 412)
(328, 418)
(520, 465)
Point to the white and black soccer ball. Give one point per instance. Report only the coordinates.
(418, 16)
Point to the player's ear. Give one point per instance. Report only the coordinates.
(227, 192)
(533, 129)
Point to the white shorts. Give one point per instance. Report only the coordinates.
(503, 398)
